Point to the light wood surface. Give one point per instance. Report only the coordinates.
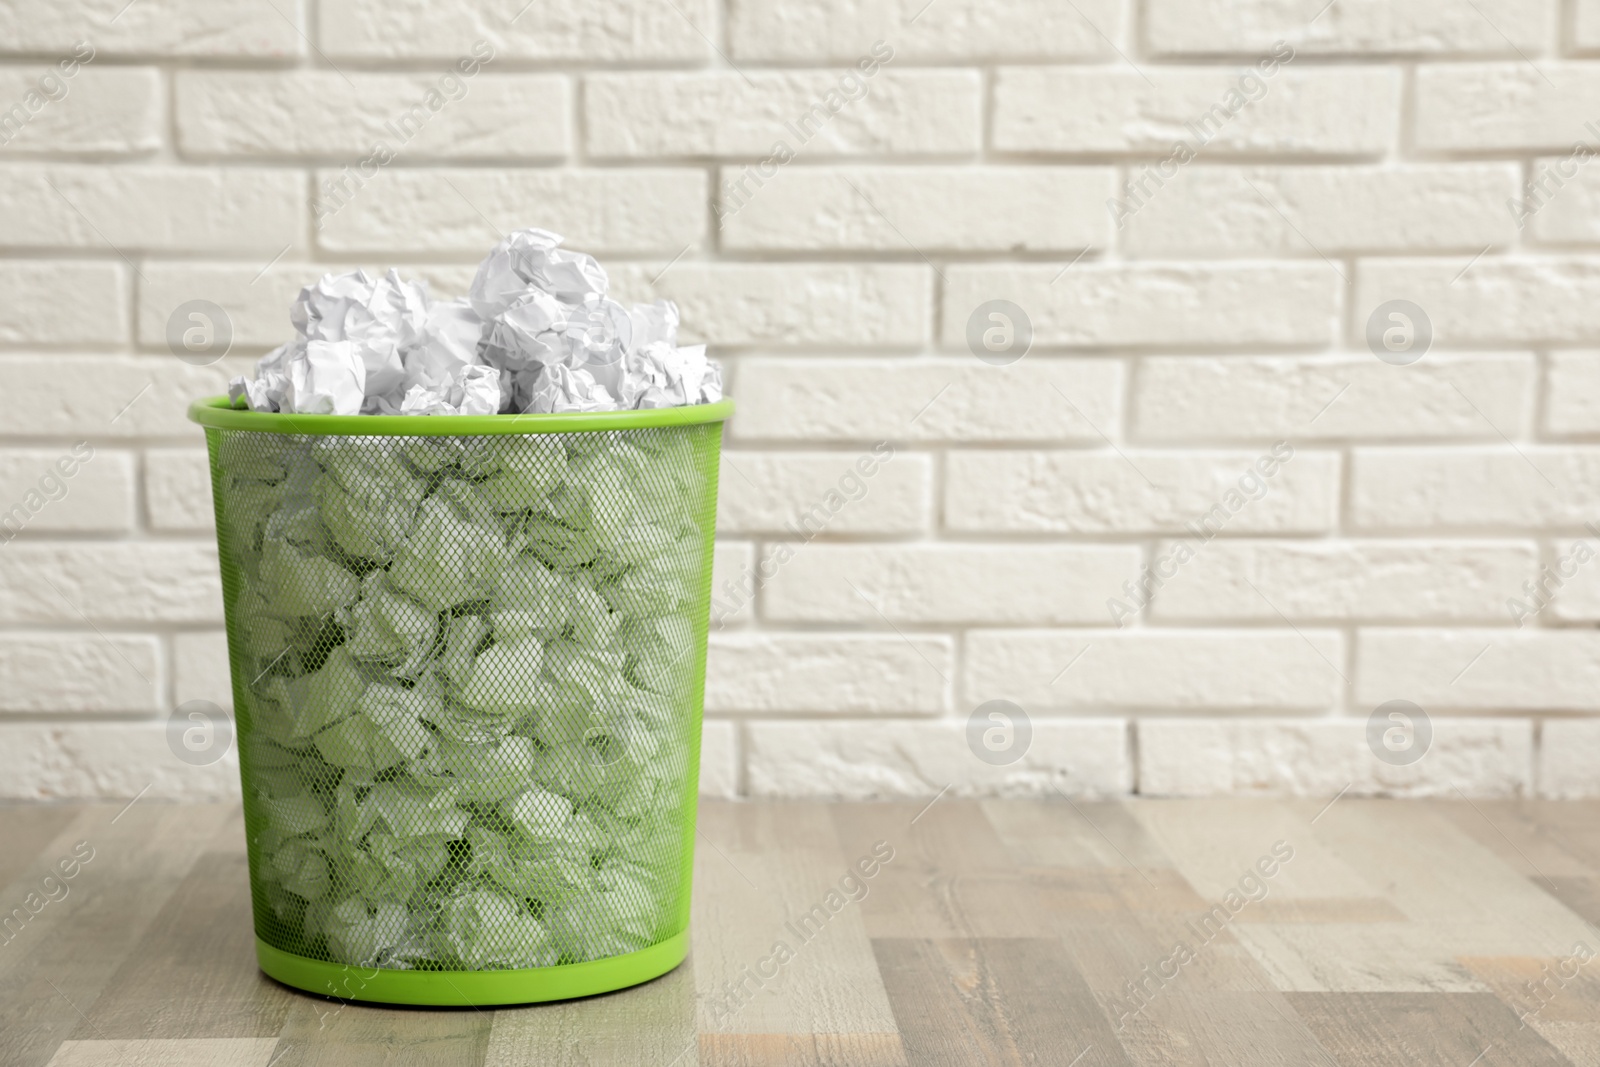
(1001, 932)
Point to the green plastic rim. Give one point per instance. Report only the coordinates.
(218, 413)
(472, 989)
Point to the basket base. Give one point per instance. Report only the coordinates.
(472, 988)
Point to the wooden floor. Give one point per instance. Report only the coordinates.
(1000, 932)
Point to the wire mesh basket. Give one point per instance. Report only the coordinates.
(468, 659)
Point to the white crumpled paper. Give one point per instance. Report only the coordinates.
(537, 334)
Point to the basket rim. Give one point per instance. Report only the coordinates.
(218, 413)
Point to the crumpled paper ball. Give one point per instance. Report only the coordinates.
(537, 334)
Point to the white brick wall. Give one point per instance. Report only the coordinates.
(1029, 532)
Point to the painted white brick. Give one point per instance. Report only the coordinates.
(734, 580)
(597, 211)
(1509, 105)
(1569, 752)
(324, 113)
(947, 583)
(1533, 487)
(728, 114)
(1333, 396)
(829, 674)
(32, 313)
(824, 492)
(1307, 211)
(1568, 584)
(111, 582)
(97, 494)
(1325, 581)
(1097, 671)
(178, 208)
(1512, 300)
(1324, 757)
(212, 28)
(790, 305)
(1490, 670)
(1586, 23)
(821, 399)
(846, 30)
(200, 669)
(1152, 304)
(901, 209)
(1350, 27)
(1333, 111)
(257, 301)
(873, 760)
(104, 110)
(61, 674)
(1139, 491)
(1558, 203)
(546, 30)
(105, 759)
(177, 490)
(719, 759)
(1572, 393)
(106, 396)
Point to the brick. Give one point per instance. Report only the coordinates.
(733, 570)
(106, 396)
(901, 209)
(723, 114)
(824, 493)
(844, 31)
(1092, 304)
(1511, 105)
(1557, 204)
(1498, 300)
(883, 759)
(1530, 488)
(257, 301)
(826, 399)
(323, 113)
(1299, 398)
(1324, 757)
(1331, 111)
(1306, 211)
(1324, 581)
(115, 582)
(947, 583)
(546, 30)
(177, 490)
(719, 759)
(212, 28)
(101, 760)
(829, 674)
(1567, 587)
(1586, 24)
(178, 208)
(1351, 27)
(96, 496)
(1107, 492)
(200, 669)
(597, 211)
(67, 673)
(33, 314)
(1572, 393)
(1101, 671)
(109, 110)
(1568, 751)
(1490, 670)
(790, 305)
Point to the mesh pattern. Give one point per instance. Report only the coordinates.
(468, 675)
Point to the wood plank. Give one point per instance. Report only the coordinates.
(1422, 1029)
(994, 1001)
(201, 1052)
(1080, 835)
(25, 831)
(194, 974)
(1405, 957)
(1191, 1028)
(1515, 830)
(653, 1023)
(325, 1032)
(55, 970)
(758, 970)
(1565, 989)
